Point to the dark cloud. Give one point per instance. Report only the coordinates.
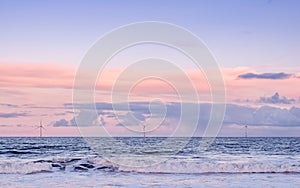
(271, 76)
(276, 99)
(134, 119)
(17, 125)
(64, 113)
(295, 111)
(73, 122)
(64, 123)
(5, 125)
(89, 106)
(235, 114)
(61, 123)
(42, 107)
(13, 115)
(9, 105)
(86, 117)
(265, 115)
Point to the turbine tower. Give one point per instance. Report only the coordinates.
(246, 131)
(144, 127)
(41, 127)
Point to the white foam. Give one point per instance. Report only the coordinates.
(24, 168)
(210, 167)
(174, 166)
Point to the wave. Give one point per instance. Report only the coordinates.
(211, 168)
(169, 167)
(24, 168)
(17, 152)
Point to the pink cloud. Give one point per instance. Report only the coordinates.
(36, 75)
(13, 75)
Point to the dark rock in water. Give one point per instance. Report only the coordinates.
(42, 161)
(57, 165)
(80, 168)
(87, 165)
(107, 168)
(102, 167)
(67, 161)
(75, 159)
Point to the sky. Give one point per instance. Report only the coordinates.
(255, 43)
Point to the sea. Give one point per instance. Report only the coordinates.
(146, 162)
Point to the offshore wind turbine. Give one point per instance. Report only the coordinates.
(41, 127)
(144, 131)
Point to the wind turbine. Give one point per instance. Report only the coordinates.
(41, 127)
(144, 127)
(246, 131)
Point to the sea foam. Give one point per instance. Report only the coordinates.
(173, 166)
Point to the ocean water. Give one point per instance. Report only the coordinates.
(139, 162)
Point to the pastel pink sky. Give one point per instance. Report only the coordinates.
(41, 90)
(24, 78)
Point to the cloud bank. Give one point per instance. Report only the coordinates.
(276, 99)
(13, 115)
(271, 76)
(235, 114)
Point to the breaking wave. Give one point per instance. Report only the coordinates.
(173, 166)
